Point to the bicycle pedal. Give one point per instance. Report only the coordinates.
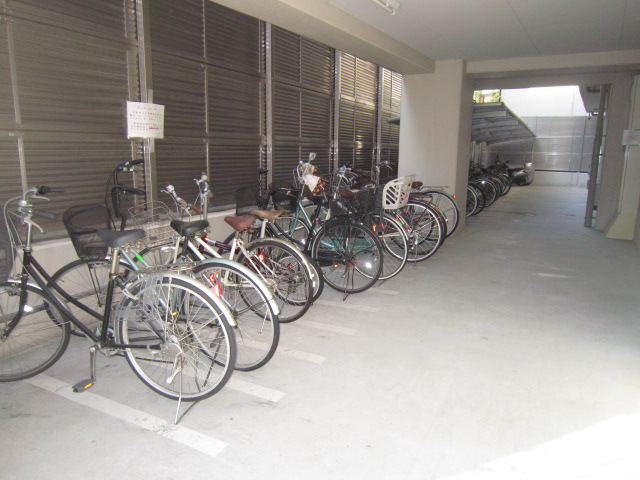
(83, 385)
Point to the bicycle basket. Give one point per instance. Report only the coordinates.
(358, 204)
(285, 198)
(82, 223)
(154, 218)
(248, 199)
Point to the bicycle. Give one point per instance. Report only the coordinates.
(280, 266)
(246, 296)
(349, 254)
(175, 335)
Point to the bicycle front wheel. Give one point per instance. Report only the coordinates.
(179, 340)
(33, 332)
(257, 328)
(349, 254)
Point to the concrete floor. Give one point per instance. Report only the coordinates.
(513, 353)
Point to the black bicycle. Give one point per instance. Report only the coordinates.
(176, 336)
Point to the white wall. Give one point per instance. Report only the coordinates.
(435, 130)
(545, 101)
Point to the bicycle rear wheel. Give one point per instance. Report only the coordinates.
(86, 281)
(350, 256)
(426, 232)
(181, 344)
(445, 204)
(33, 332)
(257, 329)
(395, 245)
(286, 273)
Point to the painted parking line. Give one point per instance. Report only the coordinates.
(300, 355)
(250, 388)
(326, 326)
(185, 436)
(384, 291)
(290, 352)
(348, 306)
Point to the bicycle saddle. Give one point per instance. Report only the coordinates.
(116, 238)
(240, 223)
(187, 229)
(270, 215)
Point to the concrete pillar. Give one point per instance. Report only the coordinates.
(608, 198)
(623, 226)
(435, 127)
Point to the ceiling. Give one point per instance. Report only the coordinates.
(475, 30)
(500, 40)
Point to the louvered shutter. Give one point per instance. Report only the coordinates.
(72, 82)
(208, 72)
(302, 103)
(358, 111)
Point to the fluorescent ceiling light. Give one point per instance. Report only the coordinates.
(389, 5)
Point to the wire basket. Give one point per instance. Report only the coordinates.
(285, 198)
(154, 218)
(82, 222)
(357, 204)
(249, 199)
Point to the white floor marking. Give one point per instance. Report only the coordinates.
(326, 326)
(385, 292)
(309, 357)
(290, 352)
(185, 436)
(348, 306)
(250, 388)
(552, 275)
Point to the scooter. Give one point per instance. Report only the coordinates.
(521, 174)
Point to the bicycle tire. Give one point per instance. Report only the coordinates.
(395, 245)
(286, 272)
(426, 234)
(187, 347)
(257, 330)
(347, 253)
(443, 202)
(299, 231)
(39, 338)
(86, 281)
(488, 189)
(471, 201)
(480, 200)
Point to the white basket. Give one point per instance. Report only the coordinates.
(395, 193)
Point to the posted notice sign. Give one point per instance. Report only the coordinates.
(145, 120)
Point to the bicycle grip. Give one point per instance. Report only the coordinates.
(195, 210)
(43, 189)
(42, 213)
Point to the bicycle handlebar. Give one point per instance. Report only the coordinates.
(42, 213)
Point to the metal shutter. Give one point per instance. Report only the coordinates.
(302, 103)
(358, 87)
(208, 72)
(391, 97)
(71, 77)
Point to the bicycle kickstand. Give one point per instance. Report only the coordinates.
(86, 384)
